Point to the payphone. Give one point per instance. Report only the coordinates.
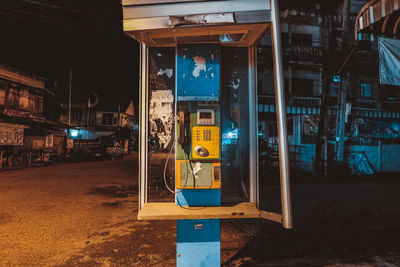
(198, 157)
(198, 131)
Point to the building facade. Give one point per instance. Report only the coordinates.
(24, 128)
(336, 107)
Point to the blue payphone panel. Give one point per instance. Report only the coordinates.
(198, 73)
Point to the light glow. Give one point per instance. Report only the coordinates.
(74, 133)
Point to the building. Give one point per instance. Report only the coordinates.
(356, 112)
(90, 119)
(24, 128)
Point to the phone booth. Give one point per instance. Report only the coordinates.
(198, 135)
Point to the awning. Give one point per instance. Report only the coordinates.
(380, 17)
(13, 115)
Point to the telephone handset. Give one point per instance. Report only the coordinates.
(184, 118)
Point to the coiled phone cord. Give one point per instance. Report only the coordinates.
(187, 172)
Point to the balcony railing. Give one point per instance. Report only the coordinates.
(300, 52)
(303, 101)
(294, 101)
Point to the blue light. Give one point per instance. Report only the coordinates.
(336, 78)
(233, 134)
(74, 133)
(225, 38)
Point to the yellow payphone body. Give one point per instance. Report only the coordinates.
(200, 169)
(198, 164)
(205, 142)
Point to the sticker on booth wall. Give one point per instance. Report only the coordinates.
(169, 72)
(199, 65)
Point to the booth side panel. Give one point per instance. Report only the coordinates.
(161, 119)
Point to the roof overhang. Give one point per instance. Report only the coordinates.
(380, 17)
(229, 22)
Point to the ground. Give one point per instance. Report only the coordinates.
(84, 214)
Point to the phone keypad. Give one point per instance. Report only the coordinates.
(206, 135)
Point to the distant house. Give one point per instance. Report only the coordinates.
(108, 117)
(90, 121)
(23, 125)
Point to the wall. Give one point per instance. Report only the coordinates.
(23, 99)
(381, 160)
(34, 142)
(126, 120)
(99, 119)
(307, 154)
(91, 135)
(390, 158)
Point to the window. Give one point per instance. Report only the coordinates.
(302, 87)
(76, 116)
(107, 119)
(301, 39)
(366, 90)
(391, 93)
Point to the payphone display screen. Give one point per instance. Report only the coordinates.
(205, 115)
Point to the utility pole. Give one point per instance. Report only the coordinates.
(320, 161)
(119, 113)
(70, 95)
(88, 113)
(346, 9)
(341, 110)
(340, 119)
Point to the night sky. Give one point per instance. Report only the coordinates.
(46, 37)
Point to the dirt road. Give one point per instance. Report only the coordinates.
(84, 214)
(50, 213)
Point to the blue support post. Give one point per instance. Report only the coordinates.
(198, 241)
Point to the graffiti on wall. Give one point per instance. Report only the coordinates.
(161, 117)
(161, 96)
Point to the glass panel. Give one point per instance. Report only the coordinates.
(161, 123)
(269, 187)
(235, 125)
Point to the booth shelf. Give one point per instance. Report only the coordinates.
(171, 211)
